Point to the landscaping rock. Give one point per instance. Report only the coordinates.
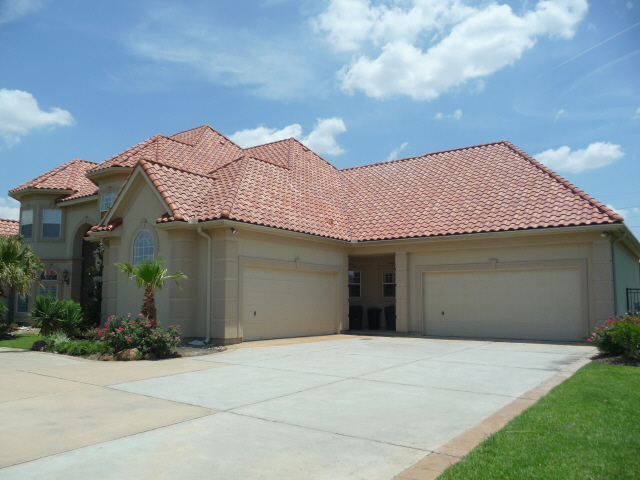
(149, 356)
(38, 346)
(95, 356)
(107, 357)
(127, 355)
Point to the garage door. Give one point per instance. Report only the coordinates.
(287, 303)
(540, 304)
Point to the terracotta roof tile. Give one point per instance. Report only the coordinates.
(9, 227)
(485, 188)
(68, 176)
(109, 227)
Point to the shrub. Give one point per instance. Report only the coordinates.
(93, 334)
(5, 324)
(51, 315)
(121, 333)
(60, 343)
(618, 336)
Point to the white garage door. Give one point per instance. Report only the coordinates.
(540, 304)
(287, 303)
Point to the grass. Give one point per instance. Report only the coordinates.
(586, 428)
(22, 340)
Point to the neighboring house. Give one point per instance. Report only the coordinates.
(482, 241)
(8, 227)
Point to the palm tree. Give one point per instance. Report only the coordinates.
(149, 274)
(20, 267)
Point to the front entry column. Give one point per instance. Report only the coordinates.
(402, 292)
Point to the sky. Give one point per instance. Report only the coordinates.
(357, 81)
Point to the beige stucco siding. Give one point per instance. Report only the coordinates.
(627, 275)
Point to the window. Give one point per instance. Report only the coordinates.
(142, 247)
(51, 221)
(48, 287)
(389, 283)
(354, 284)
(26, 223)
(22, 304)
(105, 203)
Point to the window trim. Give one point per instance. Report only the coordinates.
(353, 284)
(42, 223)
(384, 283)
(22, 224)
(133, 246)
(102, 197)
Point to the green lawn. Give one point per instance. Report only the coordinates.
(23, 340)
(586, 428)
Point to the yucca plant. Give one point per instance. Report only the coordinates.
(52, 315)
(151, 275)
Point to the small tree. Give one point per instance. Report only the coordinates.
(151, 275)
(20, 267)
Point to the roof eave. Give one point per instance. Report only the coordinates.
(96, 174)
(40, 191)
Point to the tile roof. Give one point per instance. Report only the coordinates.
(68, 176)
(9, 227)
(108, 227)
(484, 188)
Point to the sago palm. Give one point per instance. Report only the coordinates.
(20, 267)
(151, 275)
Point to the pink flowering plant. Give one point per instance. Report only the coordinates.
(618, 336)
(121, 333)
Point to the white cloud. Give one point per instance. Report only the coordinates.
(481, 41)
(629, 5)
(456, 115)
(625, 212)
(11, 10)
(321, 139)
(637, 115)
(559, 113)
(183, 44)
(9, 208)
(19, 114)
(394, 153)
(596, 155)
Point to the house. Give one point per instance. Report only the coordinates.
(8, 227)
(481, 241)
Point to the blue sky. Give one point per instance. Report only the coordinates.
(358, 81)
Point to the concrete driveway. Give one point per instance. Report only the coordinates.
(327, 407)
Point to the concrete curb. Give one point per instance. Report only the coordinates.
(436, 462)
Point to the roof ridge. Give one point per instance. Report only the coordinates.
(9, 220)
(162, 190)
(157, 162)
(129, 152)
(566, 183)
(268, 143)
(346, 207)
(235, 186)
(386, 162)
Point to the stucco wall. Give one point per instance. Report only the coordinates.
(371, 268)
(627, 275)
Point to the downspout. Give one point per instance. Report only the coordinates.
(613, 271)
(208, 329)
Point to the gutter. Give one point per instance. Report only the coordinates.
(209, 246)
(613, 270)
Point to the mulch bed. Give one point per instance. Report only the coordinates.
(190, 351)
(604, 359)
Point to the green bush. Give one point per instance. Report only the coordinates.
(618, 336)
(51, 315)
(60, 343)
(121, 333)
(5, 323)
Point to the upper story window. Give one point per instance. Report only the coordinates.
(106, 201)
(49, 285)
(26, 223)
(354, 284)
(142, 247)
(389, 283)
(51, 223)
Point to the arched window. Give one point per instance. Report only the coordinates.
(49, 285)
(142, 247)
